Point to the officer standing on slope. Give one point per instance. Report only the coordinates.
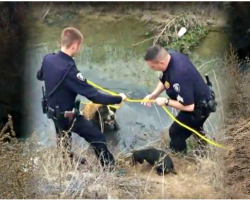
(63, 82)
(187, 92)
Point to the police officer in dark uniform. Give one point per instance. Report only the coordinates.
(187, 92)
(63, 82)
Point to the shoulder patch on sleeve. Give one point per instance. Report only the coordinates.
(80, 76)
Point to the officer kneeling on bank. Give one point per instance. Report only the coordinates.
(187, 92)
(63, 82)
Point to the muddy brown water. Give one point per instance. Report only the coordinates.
(139, 125)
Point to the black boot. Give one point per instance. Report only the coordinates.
(106, 158)
(178, 147)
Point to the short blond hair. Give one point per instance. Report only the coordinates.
(70, 35)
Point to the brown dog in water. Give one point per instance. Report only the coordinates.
(153, 156)
(102, 116)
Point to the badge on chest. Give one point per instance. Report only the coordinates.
(167, 84)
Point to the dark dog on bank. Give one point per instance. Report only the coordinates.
(105, 119)
(153, 156)
(166, 165)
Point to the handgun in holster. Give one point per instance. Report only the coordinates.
(211, 103)
(75, 113)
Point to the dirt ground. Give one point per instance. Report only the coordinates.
(238, 161)
(181, 185)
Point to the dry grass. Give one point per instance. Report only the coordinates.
(237, 129)
(89, 181)
(17, 170)
(58, 178)
(238, 102)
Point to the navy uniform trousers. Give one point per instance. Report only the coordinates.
(179, 134)
(90, 133)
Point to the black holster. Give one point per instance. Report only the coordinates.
(54, 113)
(211, 103)
(204, 107)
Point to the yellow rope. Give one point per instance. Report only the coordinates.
(166, 110)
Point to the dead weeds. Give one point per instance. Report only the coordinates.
(237, 129)
(43, 173)
(17, 169)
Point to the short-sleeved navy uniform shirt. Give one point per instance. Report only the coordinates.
(53, 69)
(183, 82)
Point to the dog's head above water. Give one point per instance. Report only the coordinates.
(102, 116)
(106, 114)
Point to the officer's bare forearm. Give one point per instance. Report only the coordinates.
(179, 106)
(158, 90)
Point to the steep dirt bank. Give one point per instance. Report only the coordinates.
(238, 161)
(237, 177)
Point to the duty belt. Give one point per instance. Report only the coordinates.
(56, 114)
